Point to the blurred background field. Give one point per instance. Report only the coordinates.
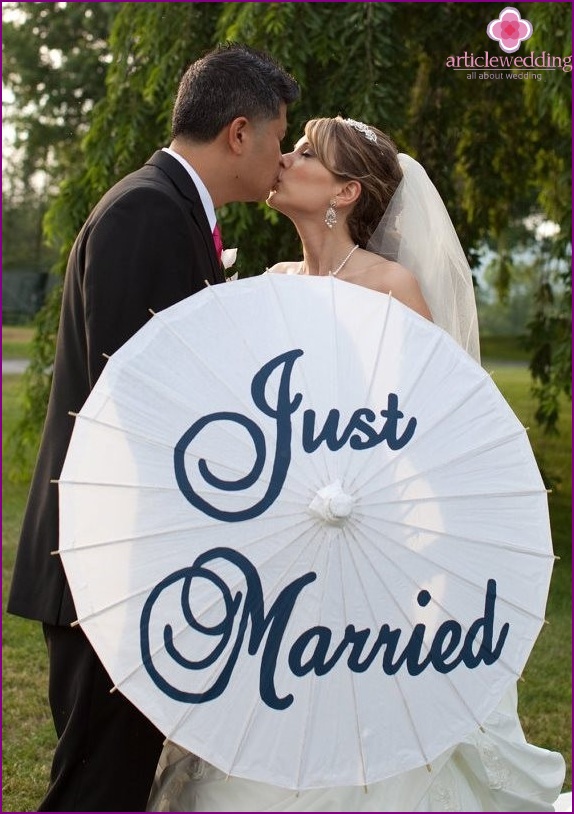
(17, 341)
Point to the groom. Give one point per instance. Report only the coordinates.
(148, 243)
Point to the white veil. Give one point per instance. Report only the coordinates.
(417, 232)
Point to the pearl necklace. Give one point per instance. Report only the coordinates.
(338, 269)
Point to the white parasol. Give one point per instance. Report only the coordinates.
(304, 532)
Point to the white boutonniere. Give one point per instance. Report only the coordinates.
(228, 258)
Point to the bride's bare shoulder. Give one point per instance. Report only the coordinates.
(286, 267)
(390, 277)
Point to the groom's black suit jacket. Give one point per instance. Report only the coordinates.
(146, 245)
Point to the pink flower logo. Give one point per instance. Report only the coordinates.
(509, 29)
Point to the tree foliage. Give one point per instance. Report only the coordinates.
(25, 247)
(550, 330)
(497, 150)
(55, 58)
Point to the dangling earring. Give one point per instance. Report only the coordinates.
(331, 215)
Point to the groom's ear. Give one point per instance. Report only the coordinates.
(236, 134)
(349, 193)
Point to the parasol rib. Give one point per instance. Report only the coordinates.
(468, 455)
(420, 434)
(351, 550)
(209, 607)
(496, 544)
(136, 538)
(256, 704)
(296, 418)
(418, 554)
(413, 582)
(458, 694)
(431, 350)
(324, 476)
(351, 675)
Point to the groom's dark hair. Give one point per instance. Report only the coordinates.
(232, 80)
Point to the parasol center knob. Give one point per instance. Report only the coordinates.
(332, 504)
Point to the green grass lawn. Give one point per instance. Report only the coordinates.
(544, 696)
(545, 693)
(27, 732)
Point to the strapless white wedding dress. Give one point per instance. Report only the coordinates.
(494, 769)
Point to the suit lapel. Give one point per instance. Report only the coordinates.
(187, 189)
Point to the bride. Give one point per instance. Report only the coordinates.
(373, 218)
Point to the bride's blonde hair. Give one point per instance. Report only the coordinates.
(348, 153)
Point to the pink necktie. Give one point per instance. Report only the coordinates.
(217, 241)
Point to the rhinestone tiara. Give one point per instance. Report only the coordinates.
(362, 128)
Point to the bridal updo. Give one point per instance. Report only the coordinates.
(357, 152)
